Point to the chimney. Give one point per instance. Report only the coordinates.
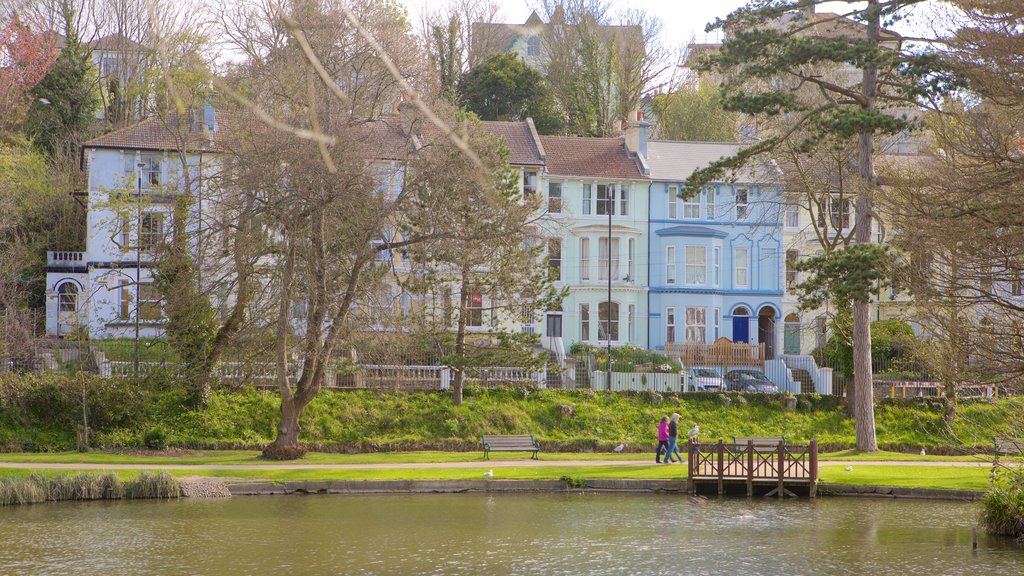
(636, 133)
(209, 115)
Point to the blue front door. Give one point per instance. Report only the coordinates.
(740, 329)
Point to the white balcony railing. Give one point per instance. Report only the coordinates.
(65, 258)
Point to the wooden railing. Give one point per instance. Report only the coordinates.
(751, 463)
(718, 354)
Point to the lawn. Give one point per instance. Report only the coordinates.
(214, 457)
(949, 477)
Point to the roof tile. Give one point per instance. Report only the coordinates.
(589, 157)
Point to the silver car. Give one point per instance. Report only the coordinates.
(705, 380)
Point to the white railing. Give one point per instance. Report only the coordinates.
(502, 374)
(822, 377)
(64, 258)
(639, 381)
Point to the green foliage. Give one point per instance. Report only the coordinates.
(505, 88)
(573, 482)
(47, 412)
(1003, 505)
(842, 276)
(695, 115)
(893, 348)
(627, 358)
(155, 438)
(65, 102)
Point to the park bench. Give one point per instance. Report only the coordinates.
(510, 443)
(1007, 446)
(761, 443)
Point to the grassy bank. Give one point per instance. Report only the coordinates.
(44, 414)
(946, 477)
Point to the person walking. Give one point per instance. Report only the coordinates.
(673, 439)
(662, 439)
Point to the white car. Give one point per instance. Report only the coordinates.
(705, 380)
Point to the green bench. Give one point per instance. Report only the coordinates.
(761, 443)
(510, 443)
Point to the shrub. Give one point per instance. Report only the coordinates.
(1003, 505)
(740, 400)
(155, 438)
(723, 400)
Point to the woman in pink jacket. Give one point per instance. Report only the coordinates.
(662, 440)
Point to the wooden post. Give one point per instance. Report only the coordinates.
(689, 465)
(750, 468)
(721, 467)
(781, 463)
(814, 469)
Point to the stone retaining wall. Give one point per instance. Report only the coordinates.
(898, 492)
(448, 486)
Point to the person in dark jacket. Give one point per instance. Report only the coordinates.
(673, 439)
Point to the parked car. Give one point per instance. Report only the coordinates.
(748, 381)
(705, 380)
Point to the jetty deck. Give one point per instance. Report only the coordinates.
(781, 466)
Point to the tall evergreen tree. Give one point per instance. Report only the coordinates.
(771, 65)
(65, 101)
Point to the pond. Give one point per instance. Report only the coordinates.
(500, 534)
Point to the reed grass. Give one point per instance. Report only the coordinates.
(39, 487)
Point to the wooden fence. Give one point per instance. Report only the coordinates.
(717, 354)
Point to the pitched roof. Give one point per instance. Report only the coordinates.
(114, 42)
(155, 133)
(522, 140)
(589, 158)
(384, 139)
(677, 160)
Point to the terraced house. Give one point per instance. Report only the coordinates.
(596, 191)
(714, 257)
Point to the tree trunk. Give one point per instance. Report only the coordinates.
(286, 444)
(864, 403)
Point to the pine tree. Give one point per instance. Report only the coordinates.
(838, 78)
(65, 104)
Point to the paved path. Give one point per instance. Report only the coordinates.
(526, 463)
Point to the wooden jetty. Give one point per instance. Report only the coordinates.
(778, 465)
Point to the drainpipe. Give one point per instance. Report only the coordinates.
(650, 187)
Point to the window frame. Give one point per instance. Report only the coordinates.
(673, 202)
(702, 267)
(584, 259)
(555, 199)
(555, 258)
(670, 325)
(742, 208)
(698, 328)
(611, 322)
(736, 268)
(689, 205)
(531, 180)
(670, 264)
(585, 321)
(709, 204)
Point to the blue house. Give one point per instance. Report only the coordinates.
(715, 263)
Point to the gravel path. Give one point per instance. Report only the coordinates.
(407, 465)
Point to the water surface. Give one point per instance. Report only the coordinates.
(500, 534)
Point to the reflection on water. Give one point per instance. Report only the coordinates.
(500, 534)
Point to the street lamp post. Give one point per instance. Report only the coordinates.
(610, 200)
(138, 261)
